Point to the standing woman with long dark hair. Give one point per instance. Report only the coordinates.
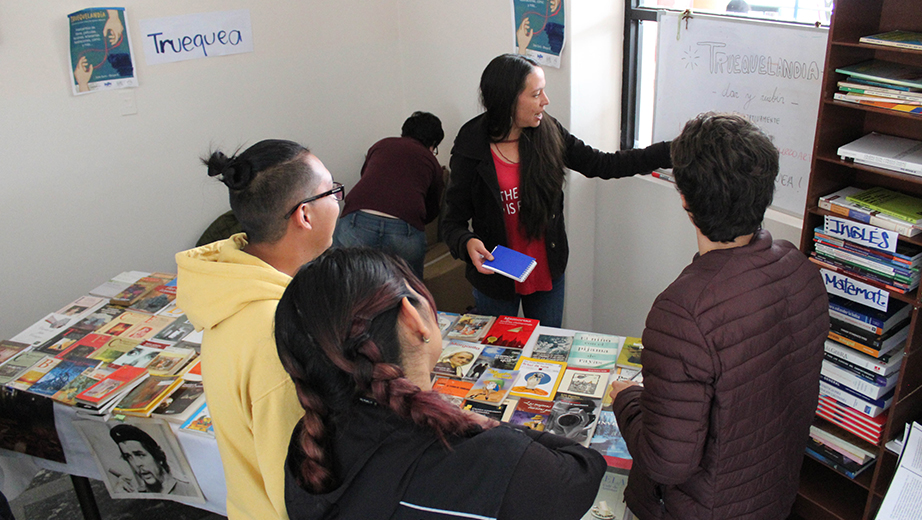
(357, 333)
(507, 175)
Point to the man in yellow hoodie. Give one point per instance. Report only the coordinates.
(286, 202)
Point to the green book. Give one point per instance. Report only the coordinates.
(885, 72)
(903, 207)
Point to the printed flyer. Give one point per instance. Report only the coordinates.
(539, 30)
(100, 52)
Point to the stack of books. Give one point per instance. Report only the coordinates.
(898, 271)
(840, 450)
(885, 151)
(882, 84)
(839, 203)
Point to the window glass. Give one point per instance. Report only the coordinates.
(806, 11)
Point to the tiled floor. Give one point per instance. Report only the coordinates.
(51, 497)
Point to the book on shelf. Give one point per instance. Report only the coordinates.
(857, 369)
(457, 358)
(594, 350)
(857, 383)
(492, 386)
(538, 378)
(886, 105)
(835, 460)
(906, 257)
(510, 263)
(852, 399)
(872, 425)
(842, 441)
(885, 365)
(886, 151)
(896, 38)
(854, 97)
(842, 421)
(199, 423)
(886, 72)
(897, 340)
(552, 346)
(470, 327)
(867, 265)
(837, 203)
(510, 331)
(866, 338)
(873, 320)
(584, 381)
(446, 321)
(181, 404)
(899, 205)
(886, 92)
(865, 277)
(531, 413)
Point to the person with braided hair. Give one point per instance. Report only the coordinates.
(357, 333)
(286, 202)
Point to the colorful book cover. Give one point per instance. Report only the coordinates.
(892, 203)
(608, 441)
(89, 377)
(61, 375)
(110, 386)
(532, 413)
(538, 378)
(99, 318)
(494, 357)
(586, 382)
(493, 386)
(552, 347)
(118, 284)
(488, 410)
(17, 364)
(156, 299)
(452, 387)
(897, 38)
(629, 357)
(510, 331)
(170, 361)
(137, 290)
(145, 397)
(457, 358)
(179, 405)
(887, 105)
(574, 417)
(447, 321)
(148, 328)
(114, 349)
(175, 331)
(31, 376)
(85, 347)
(8, 349)
(139, 356)
(122, 323)
(470, 327)
(199, 422)
(594, 350)
(62, 341)
(885, 72)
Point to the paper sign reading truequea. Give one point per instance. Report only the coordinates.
(193, 36)
(856, 291)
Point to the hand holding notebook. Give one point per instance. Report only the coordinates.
(510, 263)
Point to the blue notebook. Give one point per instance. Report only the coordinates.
(511, 263)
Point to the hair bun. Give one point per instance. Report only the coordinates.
(236, 174)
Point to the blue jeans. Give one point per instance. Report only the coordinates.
(546, 306)
(390, 235)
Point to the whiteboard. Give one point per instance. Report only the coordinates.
(769, 72)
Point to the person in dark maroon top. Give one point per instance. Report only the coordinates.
(398, 194)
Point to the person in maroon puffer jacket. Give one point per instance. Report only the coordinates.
(732, 348)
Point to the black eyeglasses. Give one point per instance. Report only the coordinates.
(338, 192)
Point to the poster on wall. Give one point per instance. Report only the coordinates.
(196, 36)
(100, 50)
(539, 30)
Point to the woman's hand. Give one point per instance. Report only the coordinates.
(477, 252)
(618, 386)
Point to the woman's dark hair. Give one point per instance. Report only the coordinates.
(424, 127)
(264, 181)
(725, 167)
(337, 337)
(541, 149)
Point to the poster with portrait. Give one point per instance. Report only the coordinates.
(140, 458)
(100, 50)
(539, 30)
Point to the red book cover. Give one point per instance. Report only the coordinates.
(448, 386)
(86, 346)
(873, 424)
(106, 388)
(510, 331)
(838, 420)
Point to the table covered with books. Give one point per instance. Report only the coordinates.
(121, 355)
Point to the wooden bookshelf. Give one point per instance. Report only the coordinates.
(823, 492)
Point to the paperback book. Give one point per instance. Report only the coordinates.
(89, 377)
(457, 358)
(31, 375)
(629, 357)
(144, 398)
(538, 378)
(883, 71)
(18, 364)
(114, 286)
(181, 404)
(839, 204)
(447, 321)
(852, 399)
(594, 350)
(585, 382)
(493, 386)
(199, 423)
(899, 205)
(886, 105)
(532, 413)
(453, 389)
(494, 357)
(8, 349)
(470, 327)
(553, 347)
(886, 151)
(510, 331)
(885, 365)
(897, 38)
(875, 321)
(61, 375)
(862, 386)
(574, 417)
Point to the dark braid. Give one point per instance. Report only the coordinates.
(337, 336)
